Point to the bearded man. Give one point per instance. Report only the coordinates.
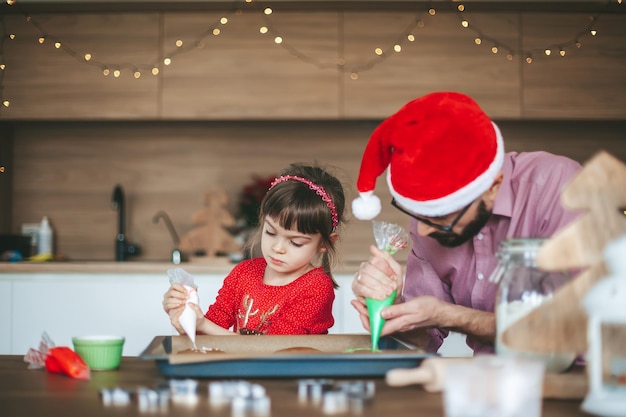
(447, 169)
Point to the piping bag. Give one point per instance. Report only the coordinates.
(188, 317)
(391, 238)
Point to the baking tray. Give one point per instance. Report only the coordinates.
(337, 355)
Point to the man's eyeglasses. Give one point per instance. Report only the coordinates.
(428, 222)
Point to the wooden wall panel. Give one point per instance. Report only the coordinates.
(43, 82)
(589, 82)
(243, 74)
(67, 171)
(443, 57)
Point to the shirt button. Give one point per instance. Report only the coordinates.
(480, 276)
(480, 236)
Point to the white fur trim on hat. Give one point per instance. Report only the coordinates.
(458, 199)
(366, 206)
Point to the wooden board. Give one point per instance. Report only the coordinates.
(560, 325)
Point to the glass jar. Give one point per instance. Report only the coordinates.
(522, 288)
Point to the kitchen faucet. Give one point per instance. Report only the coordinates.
(177, 255)
(122, 247)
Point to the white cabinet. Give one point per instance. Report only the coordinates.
(74, 304)
(66, 305)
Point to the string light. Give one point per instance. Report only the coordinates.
(354, 70)
(590, 30)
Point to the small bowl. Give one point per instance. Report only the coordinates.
(101, 353)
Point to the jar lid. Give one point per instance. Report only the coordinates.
(516, 245)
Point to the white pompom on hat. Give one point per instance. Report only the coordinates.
(441, 152)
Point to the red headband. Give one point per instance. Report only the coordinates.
(318, 190)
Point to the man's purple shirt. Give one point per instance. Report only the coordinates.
(528, 204)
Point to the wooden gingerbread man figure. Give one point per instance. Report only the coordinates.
(211, 236)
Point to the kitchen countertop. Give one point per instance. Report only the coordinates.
(25, 392)
(213, 266)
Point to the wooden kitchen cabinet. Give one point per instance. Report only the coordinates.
(242, 74)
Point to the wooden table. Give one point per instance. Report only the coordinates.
(33, 393)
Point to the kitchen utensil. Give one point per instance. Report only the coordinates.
(432, 372)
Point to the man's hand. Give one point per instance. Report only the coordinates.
(427, 312)
(378, 277)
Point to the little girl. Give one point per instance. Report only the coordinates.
(281, 291)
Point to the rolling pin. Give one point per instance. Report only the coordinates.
(431, 375)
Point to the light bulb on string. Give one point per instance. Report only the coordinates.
(6, 103)
(41, 40)
(460, 8)
(494, 49)
(465, 23)
(578, 44)
(478, 41)
(267, 11)
(593, 32)
(10, 2)
(562, 52)
(420, 23)
(137, 74)
(155, 71)
(87, 57)
(12, 36)
(432, 11)
(2, 67)
(378, 51)
(224, 20)
(57, 45)
(278, 40)
(117, 73)
(354, 76)
(509, 57)
(410, 37)
(167, 61)
(263, 30)
(547, 52)
(529, 59)
(397, 48)
(105, 72)
(179, 43)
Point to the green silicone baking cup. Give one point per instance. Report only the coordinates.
(100, 353)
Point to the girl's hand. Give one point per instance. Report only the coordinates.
(175, 298)
(175, 313)
(378, 277)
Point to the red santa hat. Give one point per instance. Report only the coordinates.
(441, 152)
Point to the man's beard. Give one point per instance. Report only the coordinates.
(452, 240)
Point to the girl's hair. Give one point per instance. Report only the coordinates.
(294, 204)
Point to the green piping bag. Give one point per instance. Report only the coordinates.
(374, 308)
(389, 237)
